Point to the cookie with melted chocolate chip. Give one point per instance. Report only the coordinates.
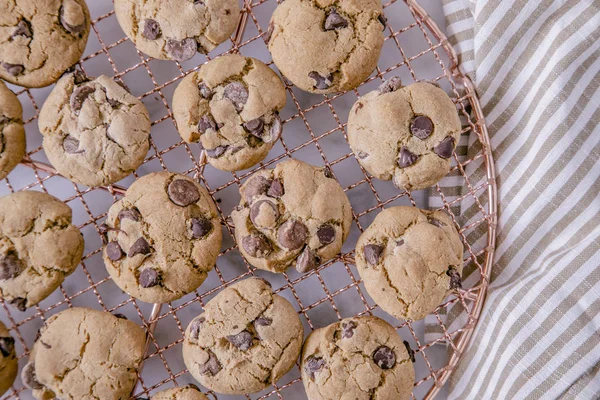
(8, 360)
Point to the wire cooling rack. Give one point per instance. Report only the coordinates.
(314, 131)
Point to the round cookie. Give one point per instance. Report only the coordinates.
(177, 29)
(359, 358)
(295, 214)
(326, 46)
(163, 237)
(231, 107)
(12, 132)
(95, 132)
(39, 247)
(406, 134)
(85, 354)
(41, 39)
(8, 360)
(246, 339)
(409, 259)
(190, 392)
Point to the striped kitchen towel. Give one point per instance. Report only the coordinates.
(536, 66)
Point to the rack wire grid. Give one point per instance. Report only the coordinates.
(314, 131)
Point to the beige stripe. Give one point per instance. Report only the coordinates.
(590, 382)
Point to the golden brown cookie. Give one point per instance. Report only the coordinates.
(8, 360)
(12, 132)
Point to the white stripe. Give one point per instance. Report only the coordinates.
(455, 6)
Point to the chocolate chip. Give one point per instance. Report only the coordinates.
(421, 127)
(181, 50)
(256, 245)
(256, 186)
(80, 77)
(399, 242)
(435, 222)
(321, 82)
(242, 340)
(276, 189)
(13, 69)
(455, 279)
(269, 32)
(335, 21)
(7, 346)
(29, 378)
(275, 130)
(263, 321)
(312, 365)
(120, 316)
(384, 357)
(22, 29)
(326, 234)
(113, 103)
(73, 29)
(78, 97)
(390, 85)
(205, 91)
(140, 246)
(151, 29)
(19, 303)
(372, 253)
(406, 158)
(10, 266)
(46, 345)
(132, 214)
(264, 214)
(149, 278)
(292, 234)
(217, 151)
(362, 155)
(114, 251)
(445, 148)
(255, 127)
(207, 122)
(237, 93)
(383, 20)
(348, 329)
(201, 227)
(195, 327)
(183, 192)
(71, 145)
(307, 261)
(328, 173)
(411, 352)
(212, 366)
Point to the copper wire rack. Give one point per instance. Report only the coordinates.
(314, 131)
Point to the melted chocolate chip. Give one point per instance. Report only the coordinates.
(10, 266)
(72, 29)
(149, 278)
(151, 29)
(217, 151)
(132, 214)
(19, 303)
(207, 122)
(307, 261)
(242, 340)
(264, 214)
(23, 28)
(256, 245)
(391, 85)
(455, 279)
(445, 148)
(372, 253)
(237, 94)
(292, 234)
(275, 130)
(205, 91)
(411, 352)
(327, 172)
(435, 222)
(71, 145)
(406, 158)
(255, 127)
(321, 82)
(212, 366)
(263, 321)
(326, 234)
(29, 378)
(181, 50)
(183, 192)
(7, 346)
(335, 21)
(13, 69)
(140, 246)
(195, 327)
(120, 316)
(348, 329)
(421, 127)
(78, 97)
(276, 189)
(383, 20)
(201, 227)
(312, 365)
(362, 155)
(256, 186)
(384, 357)
(114, 251)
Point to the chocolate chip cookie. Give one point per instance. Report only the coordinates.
(406, 134)
(190, 392)
(39, 247)
(409, 260)
(95, 132)
(162, 238)
(246, 339)
(8, 360)
(85, 354)
(177, 29)
(12, 132)
(295, 214)
(326, 46)
(360, 358)
(41, 39)
(231, 107)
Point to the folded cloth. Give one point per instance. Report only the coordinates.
(536, 67)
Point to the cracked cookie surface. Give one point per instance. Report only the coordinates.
(41, 39)
(406, 134)
(409, 260)
(163, 237)
(359, 358)
(230, 106)
(8, 360)
(12, 132)
(177, 29)
(95, 132)
(246, 339)
(190, 392)
(85, 354)
(39, 247)
(326, 46)
(295, 214)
